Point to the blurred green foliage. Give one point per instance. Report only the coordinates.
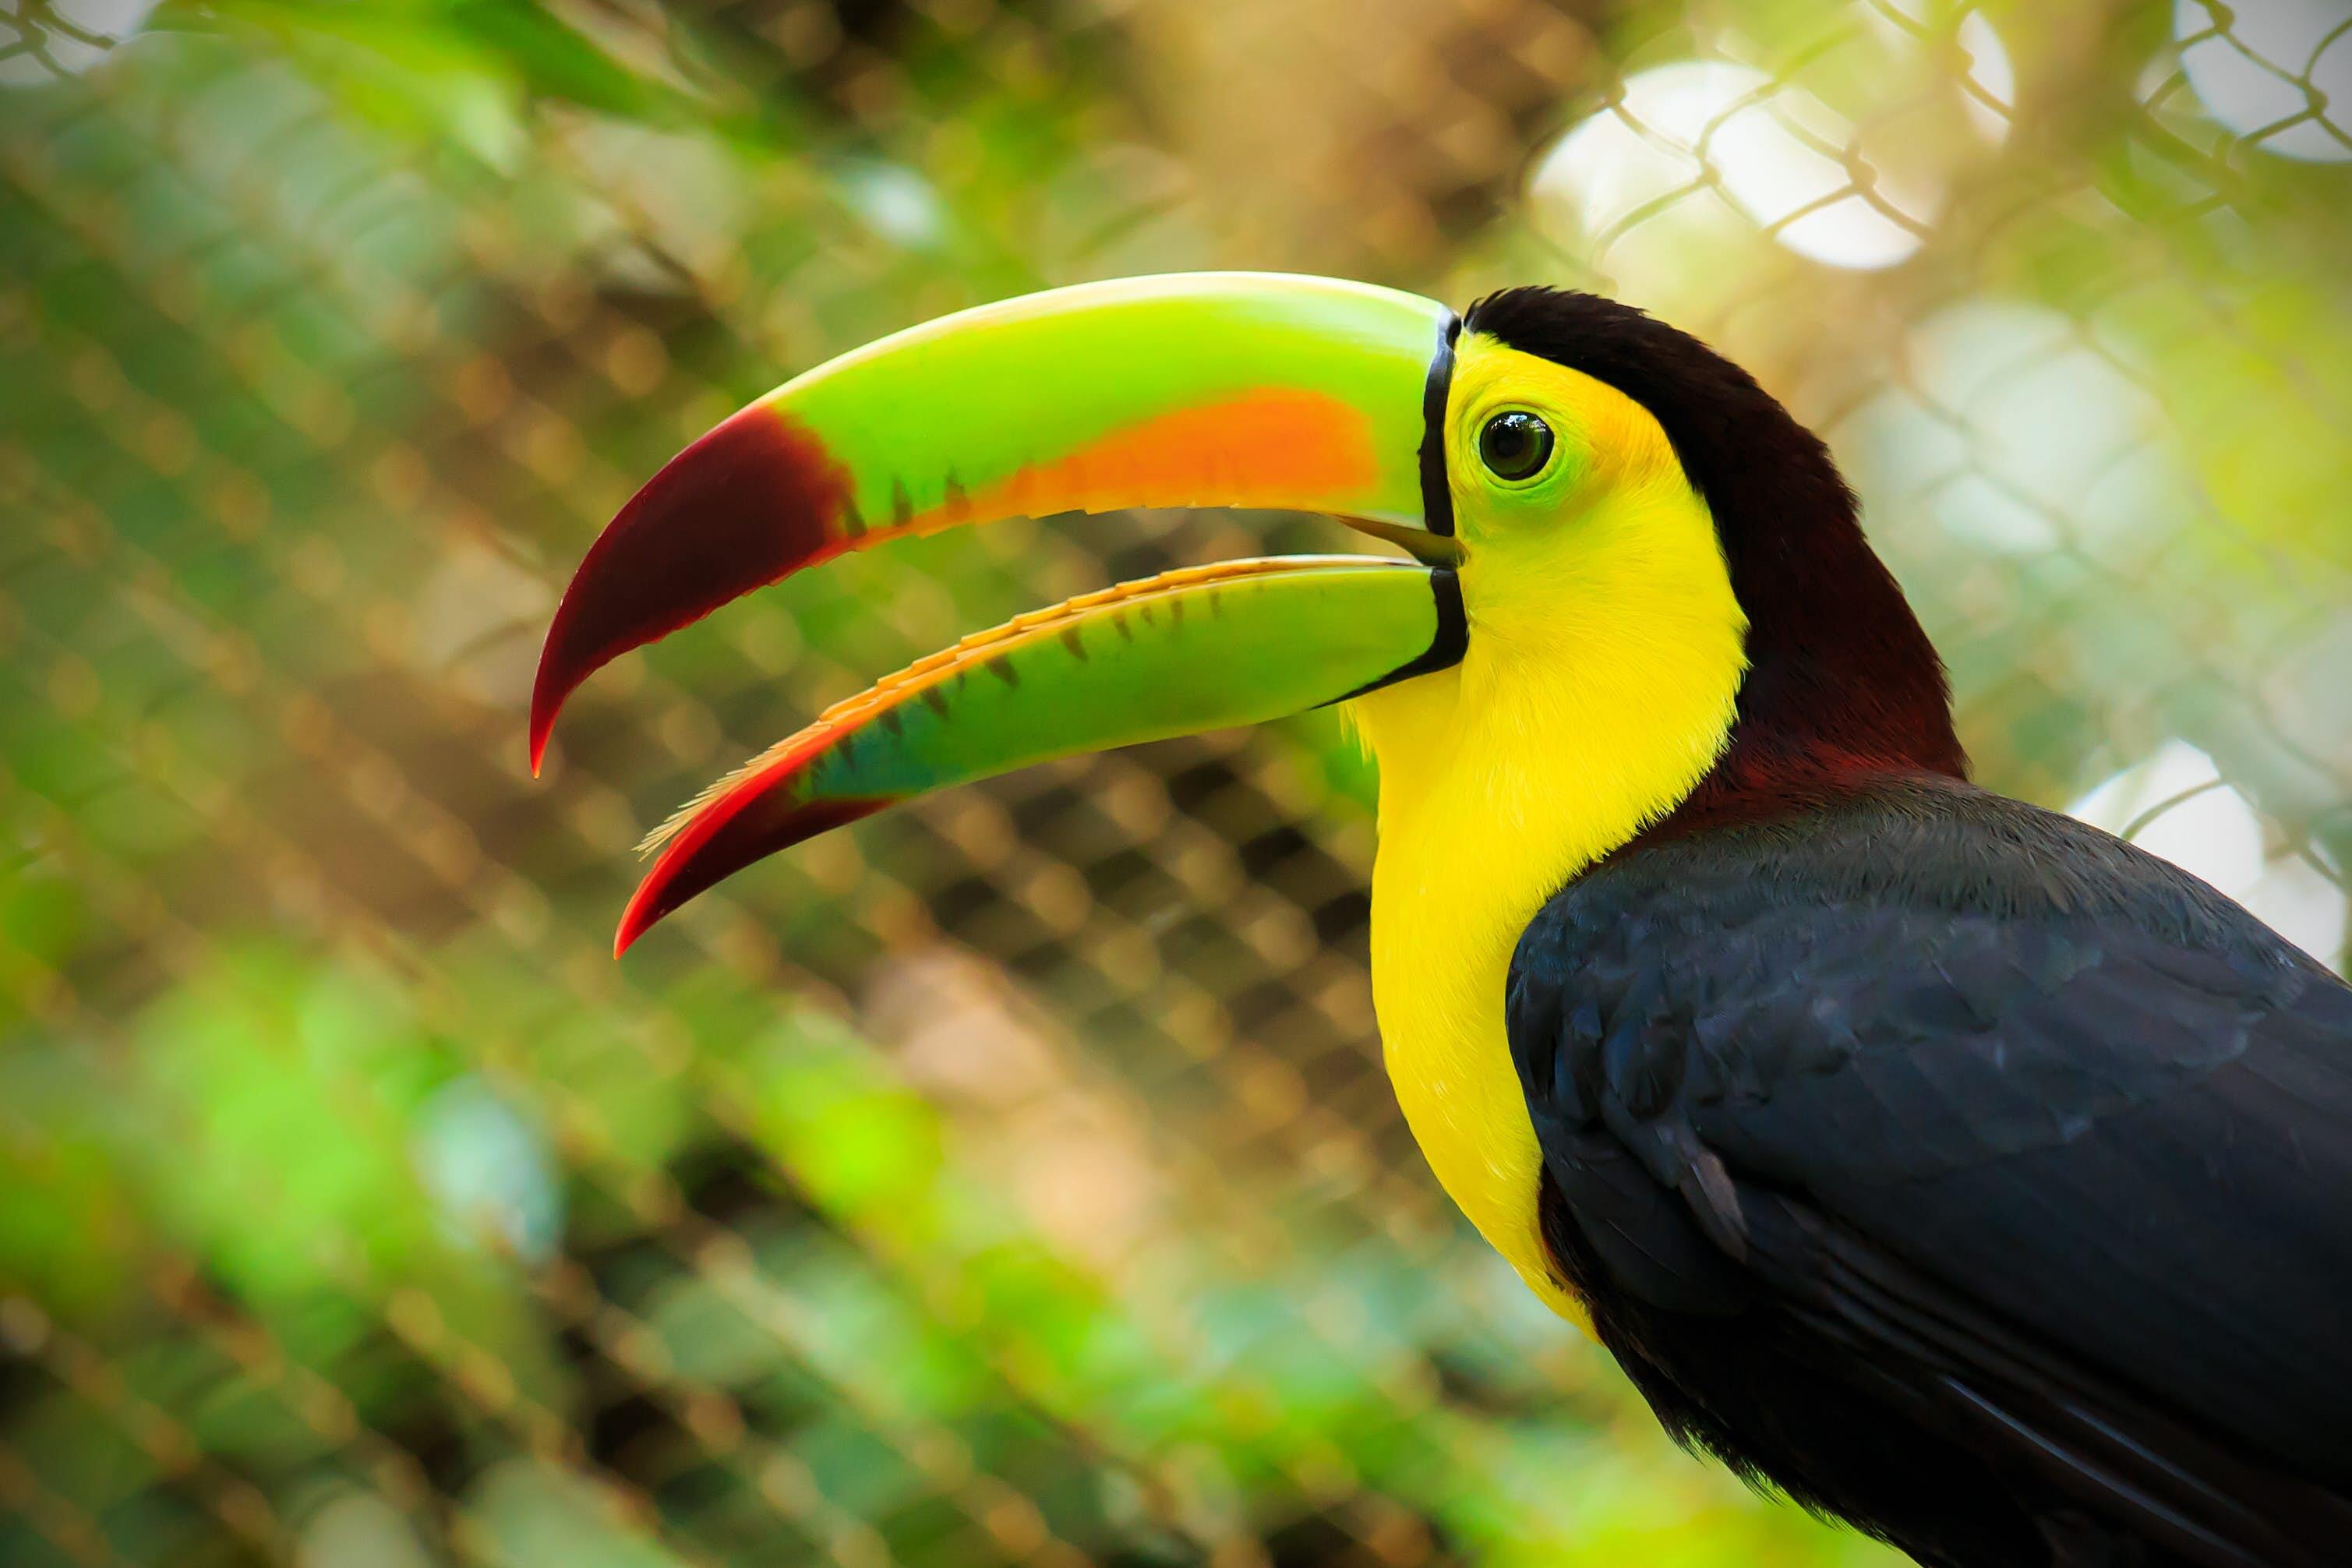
(1011, 1180)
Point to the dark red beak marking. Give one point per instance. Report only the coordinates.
(748, 504)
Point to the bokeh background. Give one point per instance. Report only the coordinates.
(1012, 1179)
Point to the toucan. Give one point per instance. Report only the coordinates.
(1960, 1170)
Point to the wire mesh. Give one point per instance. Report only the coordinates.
(1012, 1178)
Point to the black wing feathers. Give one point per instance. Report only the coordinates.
(2032, 1123)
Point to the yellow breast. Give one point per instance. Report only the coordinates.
(1488, 806)
(1462, 867)
(1442, 933)
(1598, 685)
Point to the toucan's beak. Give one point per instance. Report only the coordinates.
(1264, 391)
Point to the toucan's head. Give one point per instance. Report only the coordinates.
(1632, 572)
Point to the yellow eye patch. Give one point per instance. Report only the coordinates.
(1604, 437)
(1599, 683)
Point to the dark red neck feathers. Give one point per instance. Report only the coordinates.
(1842, 683)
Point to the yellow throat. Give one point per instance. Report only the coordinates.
(1604, 659)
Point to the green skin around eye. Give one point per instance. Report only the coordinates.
(1485, 500)
(1546, 491)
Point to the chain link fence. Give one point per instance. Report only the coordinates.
(1011, 1179)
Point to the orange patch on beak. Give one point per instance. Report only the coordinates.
(1268, 449)
(761, 498)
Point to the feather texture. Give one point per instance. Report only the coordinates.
(1931, 1124)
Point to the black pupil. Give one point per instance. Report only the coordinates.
(1515, 444)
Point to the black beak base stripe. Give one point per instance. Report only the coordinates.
(1436, 496)
(1447, 644)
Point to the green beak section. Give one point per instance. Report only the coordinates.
(1199, 648)
(1258, 390)
(1210, 389)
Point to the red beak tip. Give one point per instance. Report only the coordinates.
(542, 723)
(643, 913)
(633, 924)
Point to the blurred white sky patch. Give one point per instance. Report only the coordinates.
(896, 203)
(2008, 429)
(1845, 161)
(2173, 803)
(1690, 145)
(489, 1172)
(39, 44)
(1990, 84)
(1986, 86)
(2261, 64)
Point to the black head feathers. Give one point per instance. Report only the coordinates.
(1842, 679)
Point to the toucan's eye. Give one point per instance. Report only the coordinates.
(1514, 445)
